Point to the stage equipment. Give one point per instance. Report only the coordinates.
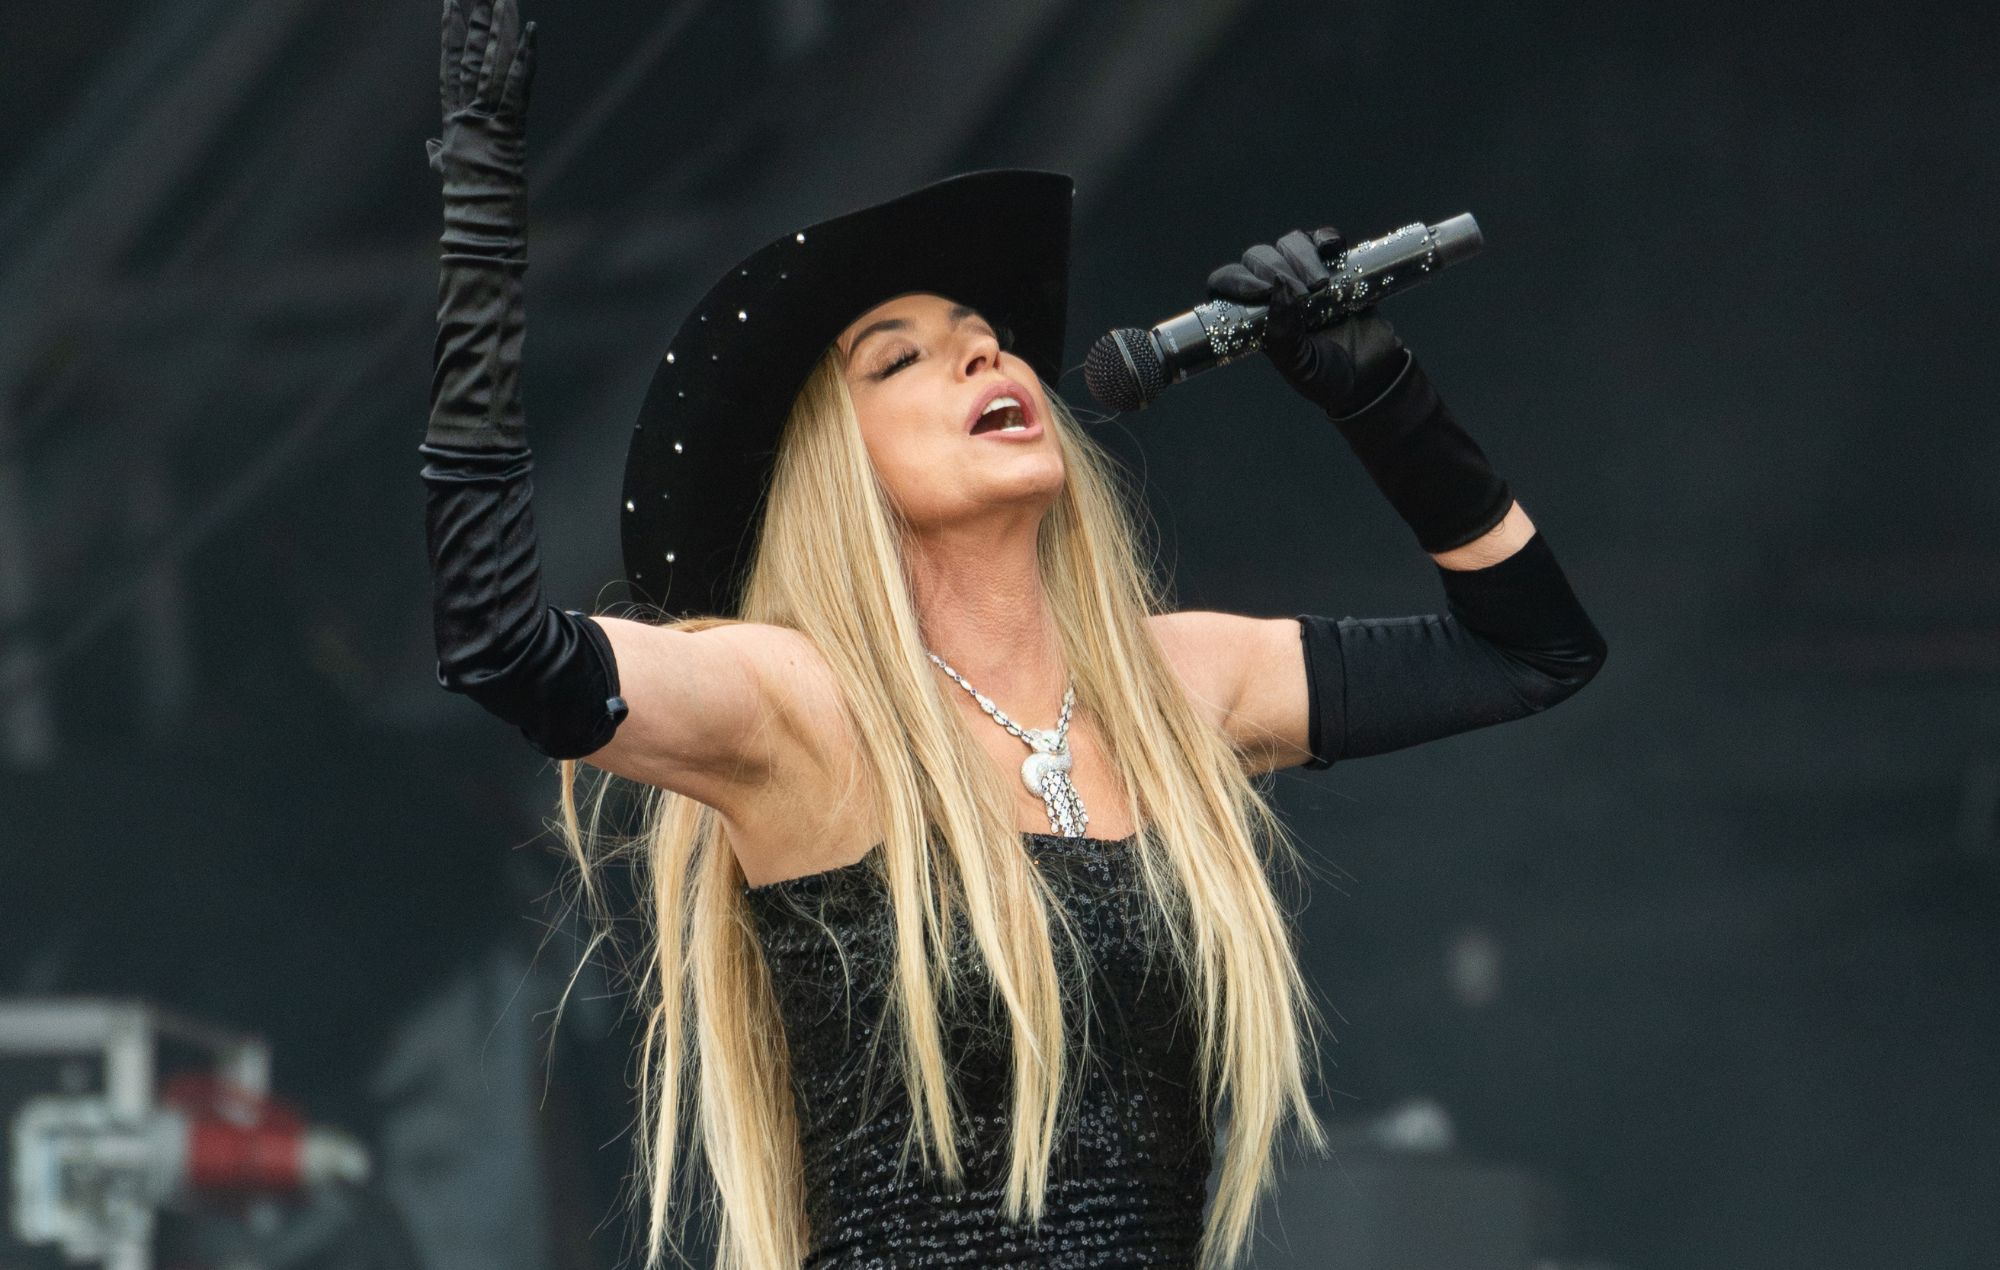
(116, 1111)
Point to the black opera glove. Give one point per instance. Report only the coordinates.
(548, 671)
(1515, 642)
(1361, 374)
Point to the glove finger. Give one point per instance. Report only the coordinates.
(1284, 330)
(1302, 260)
(478, 20)
(520, 77)
(501, 45)
(1234, 282)
(1264, 261)
(1330, 242)
(451, 49)
(1288, 297)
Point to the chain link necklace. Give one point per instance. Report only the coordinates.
(1046, 771)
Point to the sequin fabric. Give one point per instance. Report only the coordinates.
(1128, 1179)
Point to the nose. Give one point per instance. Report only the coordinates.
(983, 352)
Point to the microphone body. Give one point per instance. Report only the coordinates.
(1127, 368)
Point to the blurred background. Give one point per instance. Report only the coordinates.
(1696, 971)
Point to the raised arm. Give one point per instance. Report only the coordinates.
(1515, 639)
(697, 703)
(548, 671)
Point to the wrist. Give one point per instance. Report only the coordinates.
(485, 193)
(1434, 475)
(1389, 401)
(486, 223)
(1375, 382)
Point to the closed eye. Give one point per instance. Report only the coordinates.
(1004, 334)
(897, 365)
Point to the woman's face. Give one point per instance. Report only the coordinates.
(918, 366)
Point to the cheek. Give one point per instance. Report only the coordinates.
(899, 443)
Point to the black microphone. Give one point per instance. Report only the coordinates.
(1128, 367)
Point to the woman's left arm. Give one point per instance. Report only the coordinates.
(1515, 640)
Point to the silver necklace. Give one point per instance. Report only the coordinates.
(1046, 771)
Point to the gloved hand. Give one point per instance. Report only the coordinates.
(1339, 367)
(1372, 387)
(486, 68)
(486, 65)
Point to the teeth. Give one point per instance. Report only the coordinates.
(999, 404)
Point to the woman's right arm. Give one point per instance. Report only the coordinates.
(679, 709)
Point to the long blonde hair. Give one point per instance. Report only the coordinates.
(712, 1067)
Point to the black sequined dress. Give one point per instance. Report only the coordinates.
(1129, 1176)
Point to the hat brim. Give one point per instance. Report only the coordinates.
(702, 451)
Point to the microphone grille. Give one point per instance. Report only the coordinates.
(1122, 370)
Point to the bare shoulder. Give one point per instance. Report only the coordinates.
(1250, 673)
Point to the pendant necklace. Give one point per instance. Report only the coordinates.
(1046, 771)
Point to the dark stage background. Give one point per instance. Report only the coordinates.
(1709, 951)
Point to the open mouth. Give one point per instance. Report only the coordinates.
(1005, 415)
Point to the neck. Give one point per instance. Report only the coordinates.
(984, 610)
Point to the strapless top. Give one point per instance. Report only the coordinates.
(1128, 1179)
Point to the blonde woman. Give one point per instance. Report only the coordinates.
(960, 940)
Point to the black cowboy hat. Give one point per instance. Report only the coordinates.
(703, 449)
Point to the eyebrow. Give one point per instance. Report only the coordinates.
(959, 312)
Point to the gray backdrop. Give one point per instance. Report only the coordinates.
(1708, 950)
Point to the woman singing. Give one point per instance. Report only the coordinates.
(956, 842)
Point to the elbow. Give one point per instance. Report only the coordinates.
(1555, 675)
(481, 667)
(560, 688)
(480, 646)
